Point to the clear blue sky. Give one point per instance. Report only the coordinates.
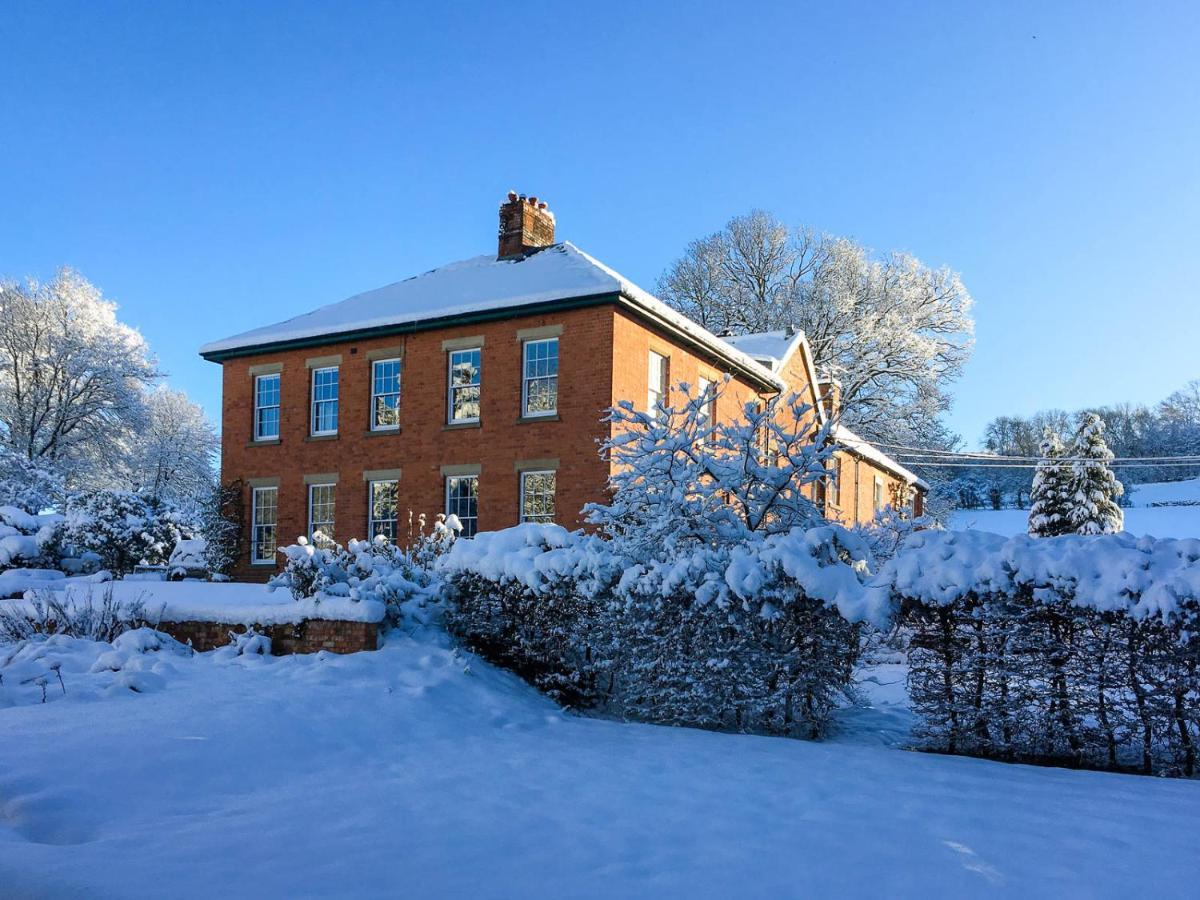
(217, 166)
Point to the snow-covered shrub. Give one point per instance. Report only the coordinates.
(124, 529)
(247, 643)
(51, 612)
(888, 530)
(27, 540)
(1072, 650)
(188, 559)
(683, 481)
(376, 570)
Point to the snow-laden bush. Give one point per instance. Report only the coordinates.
(375, 570)
(123, 528)
(28, 541)
(888, 531)
(683, 481)
(1072, 650)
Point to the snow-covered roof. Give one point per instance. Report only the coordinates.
(860, 446)
(771, 348)
(559, 272)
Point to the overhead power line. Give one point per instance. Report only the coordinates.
(926, 453)
(958, 464)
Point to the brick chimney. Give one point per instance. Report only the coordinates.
(525, 224)
(830, 391)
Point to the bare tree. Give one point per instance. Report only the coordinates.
(894, 331)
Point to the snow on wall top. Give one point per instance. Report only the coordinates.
(851, 441)
(188, 601)
(559, 272)
(1142, 576)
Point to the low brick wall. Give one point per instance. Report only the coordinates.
(309, 636)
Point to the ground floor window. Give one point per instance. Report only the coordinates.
(462, 500)
(537, 496)
(382, 500)
(264, 517)
(320, 514)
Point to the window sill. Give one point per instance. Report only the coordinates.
(457, 426)
(529, 420)
(322, 437)
(263, 564)
(273, 442)
(381, 432)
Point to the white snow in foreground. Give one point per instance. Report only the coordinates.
(200, 601)
(1159, 509)
(414, 771)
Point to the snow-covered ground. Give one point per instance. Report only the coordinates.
(419, 772)
(1168, 509)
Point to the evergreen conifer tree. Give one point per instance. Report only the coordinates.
(1050, 506)
(1093, 489)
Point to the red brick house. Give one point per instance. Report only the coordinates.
(478, 388)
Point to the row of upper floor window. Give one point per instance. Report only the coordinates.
(464, 390)
(384, 506)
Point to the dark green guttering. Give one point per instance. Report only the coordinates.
(470, 318)
(488, 315)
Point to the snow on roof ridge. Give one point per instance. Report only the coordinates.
(560, 271)
(843, 435)
(641, 296)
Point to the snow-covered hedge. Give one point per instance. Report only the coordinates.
(1139, 576)
(1072, 650)
(746, 638)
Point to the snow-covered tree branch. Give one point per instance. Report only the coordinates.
(71, 376)
(895, 332)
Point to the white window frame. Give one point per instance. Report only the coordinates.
(526, 379)
(660, 393)
(312, 488)
(258, 409)
(376, 394)
(446, 505)
(255, 504)
(877, 497)
(835, 483)
(372, 519)
(451, 387)
(525, 475)
(336, 401)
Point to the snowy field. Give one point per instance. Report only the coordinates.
(1159, 509)
(418, 772)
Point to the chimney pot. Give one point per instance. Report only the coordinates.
(526, 224)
